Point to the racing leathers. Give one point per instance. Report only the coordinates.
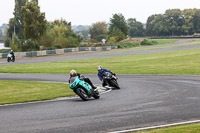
(81, 77)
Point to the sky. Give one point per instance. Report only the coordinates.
(87, 12)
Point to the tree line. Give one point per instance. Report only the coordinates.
(29, 29)
(173, 22)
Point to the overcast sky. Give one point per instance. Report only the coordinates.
(86, 12)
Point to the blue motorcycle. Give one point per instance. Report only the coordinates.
(83, 89)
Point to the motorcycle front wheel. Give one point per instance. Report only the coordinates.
(8, 59)
(114, 84)
(96, 95)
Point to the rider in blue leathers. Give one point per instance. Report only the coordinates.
(100, 73)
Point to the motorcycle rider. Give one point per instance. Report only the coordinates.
(12, 53)
(100, 73)
(73, 73)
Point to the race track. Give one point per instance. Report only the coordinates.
(143, 101)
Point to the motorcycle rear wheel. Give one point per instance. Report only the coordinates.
(82, 94)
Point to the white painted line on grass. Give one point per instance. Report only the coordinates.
(154, 127)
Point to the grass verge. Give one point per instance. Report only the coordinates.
(181, 62)
(26, 91)
(190, 128)
(130, 43)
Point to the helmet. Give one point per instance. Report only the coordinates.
(72, 73)
(11, 50)
(99, 68)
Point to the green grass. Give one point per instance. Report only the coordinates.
(164, 41)
(174, 62)
(137, 44)
(190, 128)
(145, 47)
(26, 91)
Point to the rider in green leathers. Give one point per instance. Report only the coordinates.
(73, 73)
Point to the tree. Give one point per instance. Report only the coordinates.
(16, 24)
(188, 27)
(118, 21)
(1, 33)
(59, 34)
(136, 28)
(34, 21)
(18, 18)
(98, 31)
(174, 20)
(150, 25)
(196, 21)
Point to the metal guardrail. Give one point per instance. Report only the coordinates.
(58, 51)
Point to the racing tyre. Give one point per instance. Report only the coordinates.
(114, 84)
(82, 94)
(8, 59)
(96, 95)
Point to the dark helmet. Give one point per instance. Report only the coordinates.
(99, 68)
(72, 73)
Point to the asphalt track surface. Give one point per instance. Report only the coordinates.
(143, 101)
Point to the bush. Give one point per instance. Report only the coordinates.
(14, 47)
(47, 40)
(4, 50)
(7, 43)
(116, 35)
(148, 42)
(58, 46)
(72, 42)
(30, 45)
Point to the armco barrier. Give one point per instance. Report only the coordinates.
(20, 54)
(106, 48)
(31, 54)
(51, 52)
(114, 47)
(57, 51)
(4, 55)
(41, 53)
(82, 49)
(99, 49)
(75, 49)
(67, 50)
(93, 49)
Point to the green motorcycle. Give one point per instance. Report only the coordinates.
(83, 89)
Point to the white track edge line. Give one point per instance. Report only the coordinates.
(154, 127)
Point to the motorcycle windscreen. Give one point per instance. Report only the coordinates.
(107, 75)
(74, 81)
